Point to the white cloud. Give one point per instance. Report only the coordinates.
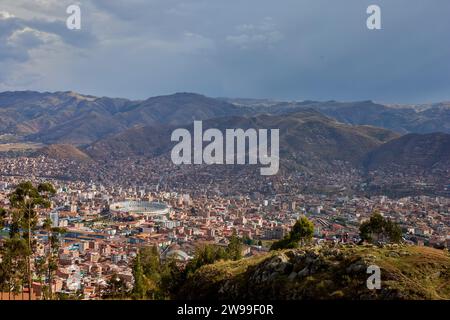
(264, 34)
(16, 40)
(5, 15)
(30, 38)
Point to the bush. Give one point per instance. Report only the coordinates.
(380, 229)
(302, 231)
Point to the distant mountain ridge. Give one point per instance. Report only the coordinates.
(412, 150)
(67, 117)
(72, 118)
(63, 152)
(306, 137)
(402, 119)
(382, 148)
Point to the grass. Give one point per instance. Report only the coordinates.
(20, 146)
(408, 272)
(226, 268)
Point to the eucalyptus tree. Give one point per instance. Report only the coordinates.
(53, 236)
(25, 201)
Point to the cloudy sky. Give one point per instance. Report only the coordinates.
(283, 49)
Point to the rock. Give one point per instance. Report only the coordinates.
(292, 276)
(304, 272)
(310, 259)
(371, 257)
(281, 258)
(357, 267)
(282, 267)
(278, 264)
(272, 276)
(393, 254)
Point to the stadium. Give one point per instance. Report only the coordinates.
(139, 207)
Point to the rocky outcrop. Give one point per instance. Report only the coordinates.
(326, 273)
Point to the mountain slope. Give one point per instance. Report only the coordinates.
(402, 119)
(61, 117)
(407, 272)
(63, 152)
(177, 109)
(138, 141)
(69, 117)
(307, 137)
(412, 150)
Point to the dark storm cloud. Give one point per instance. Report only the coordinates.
(287, 49)
(18, 36)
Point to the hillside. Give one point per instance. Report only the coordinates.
(306, 137)
(177, 109)
(70, 117)
(63, 152)
(148, 141)
(412, 151)
(407, 272)
(399, 118)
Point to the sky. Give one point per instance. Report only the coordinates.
(279, 49)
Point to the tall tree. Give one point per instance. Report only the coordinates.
(234, 249)
(13, 269)
(25, 200)
(139, 280)
(53, 236)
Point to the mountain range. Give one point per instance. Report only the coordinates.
(69, 117)
(365, 134)
(307, 137)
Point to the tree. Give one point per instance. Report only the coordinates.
(53, 236)
(40, 268)
(234, 249)
(116, 288)
(150, 261)
(157, 278)
(13, 269)
(47, 226)
(380, 229)
(3, 216)
(207, 254)
(151, 266)
(25, 199)
(302, 232)
(172, 278)
(139, 280)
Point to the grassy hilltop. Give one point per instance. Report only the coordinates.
(407, 272)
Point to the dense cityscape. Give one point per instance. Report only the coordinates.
(202, 207)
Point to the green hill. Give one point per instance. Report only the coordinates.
(407, 272)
